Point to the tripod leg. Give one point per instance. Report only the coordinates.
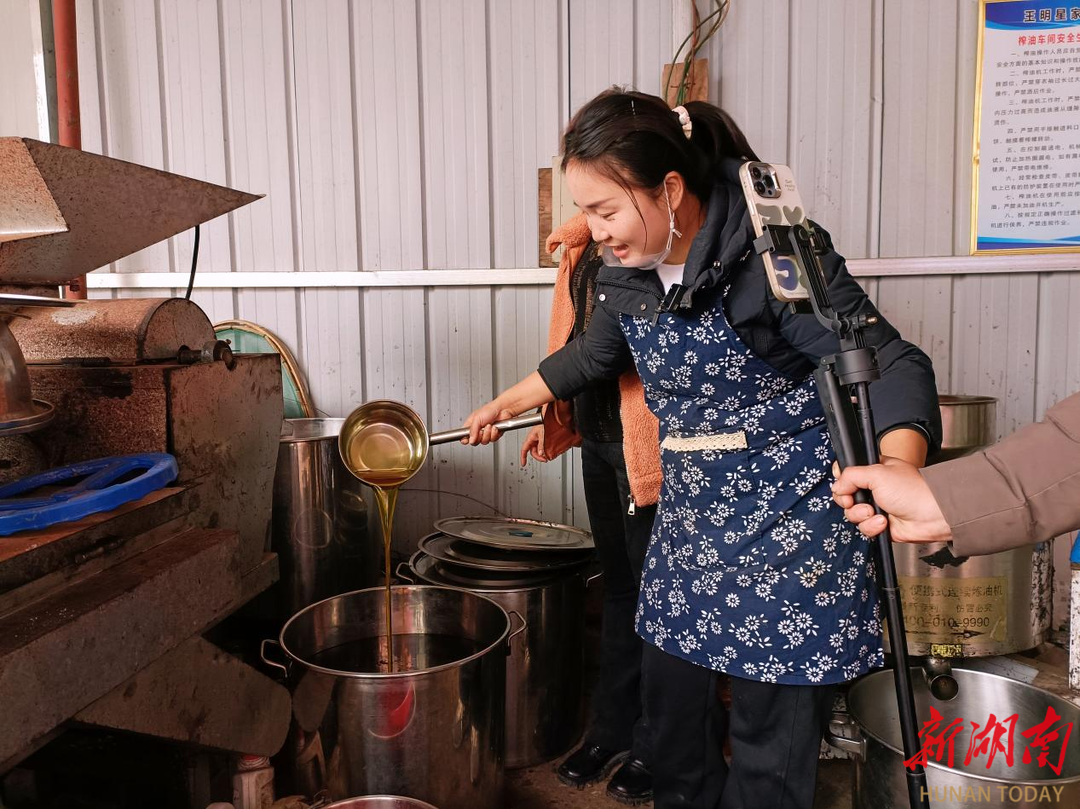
(854, 441)
(894, 614)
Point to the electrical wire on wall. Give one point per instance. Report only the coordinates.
(194, 265)
(710, 24)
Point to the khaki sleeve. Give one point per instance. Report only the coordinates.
(1022, 490)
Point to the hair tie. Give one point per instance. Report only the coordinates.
(684, 120)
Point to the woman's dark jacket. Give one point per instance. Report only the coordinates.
(722, 253)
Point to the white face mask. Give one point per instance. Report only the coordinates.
(646, 262)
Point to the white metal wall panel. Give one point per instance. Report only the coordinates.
(525, 120)
(921, 309)
(829, 135)
(652, 43)
(22, 69)
(918, 155)
(601, 47)
(326, 155)
(919, 136)
(333, 355)
(260, 119)
(994, 330)
(91, 77)
(454, 113)
(749, 63)
(327, 171)
(388, 134)
(462, 377)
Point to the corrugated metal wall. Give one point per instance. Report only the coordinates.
(406, 134)
(23, 105)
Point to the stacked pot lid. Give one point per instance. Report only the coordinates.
(501, 551)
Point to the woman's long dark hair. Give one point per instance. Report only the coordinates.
(635, 139)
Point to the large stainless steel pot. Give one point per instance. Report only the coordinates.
(320, 520)
(545, 684)
(979, 605)
(432, 730)
(871, 733)
(974, 606)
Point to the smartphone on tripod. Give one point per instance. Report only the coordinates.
(773, 199)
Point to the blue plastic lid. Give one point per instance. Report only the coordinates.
(80, 489)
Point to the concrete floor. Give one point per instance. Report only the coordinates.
(539, 788)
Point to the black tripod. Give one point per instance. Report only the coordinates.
(843, 381)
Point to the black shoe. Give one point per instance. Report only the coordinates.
(588, 764)
(632, 784)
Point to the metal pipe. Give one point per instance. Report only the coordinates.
(68, 124)
(939, 678)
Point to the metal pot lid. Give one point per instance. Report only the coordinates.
(481, 557)
(432, 570)
(512, 533)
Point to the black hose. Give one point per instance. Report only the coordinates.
(194, 264)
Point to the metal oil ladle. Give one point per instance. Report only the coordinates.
(384, 443)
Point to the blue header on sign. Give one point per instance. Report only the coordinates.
(1030, 15)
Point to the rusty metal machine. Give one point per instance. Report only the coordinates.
(101, 619)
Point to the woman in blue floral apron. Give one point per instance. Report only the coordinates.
(751, 570)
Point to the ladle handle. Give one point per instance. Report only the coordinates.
(516, 423)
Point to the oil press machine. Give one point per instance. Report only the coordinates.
(101, 618)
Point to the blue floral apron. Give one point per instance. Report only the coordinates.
(751, 570)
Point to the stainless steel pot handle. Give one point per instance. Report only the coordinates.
(844, 734)
(516, 632)
(272, 663)
(407, 575)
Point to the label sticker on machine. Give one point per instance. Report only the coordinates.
(962, 608)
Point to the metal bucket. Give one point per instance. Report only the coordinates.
(432, 730)
(871, 734)
(968, 423)
(380, 802)
(545, 683)
(979, 605)
(320, 520)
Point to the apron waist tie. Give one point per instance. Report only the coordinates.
(723, 442)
